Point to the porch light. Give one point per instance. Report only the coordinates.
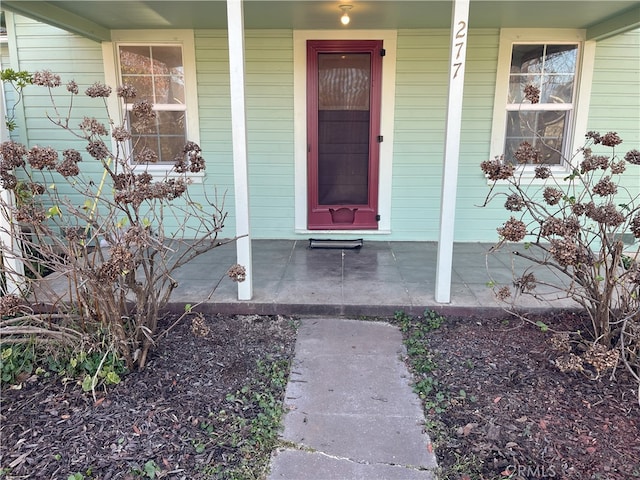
(345, 14)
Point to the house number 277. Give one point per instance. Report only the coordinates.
(460, 37)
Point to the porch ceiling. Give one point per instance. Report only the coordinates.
(95, 19)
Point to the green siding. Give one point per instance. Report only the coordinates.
(615, 95)
(421, 102)
(419, 131)
(41, 47)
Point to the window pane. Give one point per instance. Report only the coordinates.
(170, 147)
(343, 128)
(138, 128)
(551, 68)
(517, 84)
(171, 123)
(169, 89)
(544, 130)
(561, 58)
(143, 86)
(557, 89)
(527, 58)
(141, 143)
(135, 60)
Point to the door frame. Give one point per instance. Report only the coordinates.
(387, 111)
(363, 216)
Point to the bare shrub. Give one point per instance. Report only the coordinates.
(572, 225)
(106, 237)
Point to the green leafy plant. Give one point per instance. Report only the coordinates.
(16, 360)
(149, 470)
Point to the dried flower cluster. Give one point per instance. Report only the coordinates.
(69, 165)
(532, 93)
(145, 155)
(11, 305)
(514, 203)
(91, 126)
(72, 87)
(42, 158)
(237, 273)
(503, 293)
(564, 251)
(121, 134)
(497, 169)
(526, 154)
(526, 283)
(605, 187)
(567, 227)
(605, 214)
(98, 90)
(593, 162)
(120, 262)
(609, 139)
(513, 230)
(552, 195)
(98, 150)
(190, 160)
(634, 226)
(542, 171)
(45, 78)
(199, 326)
(127, 92)
(633, 157)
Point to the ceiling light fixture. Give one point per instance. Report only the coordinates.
(344, 19)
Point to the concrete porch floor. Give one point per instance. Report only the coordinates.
(380, 278)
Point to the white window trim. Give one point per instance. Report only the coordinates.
(185, 38)
(584, 76)
(387, 113)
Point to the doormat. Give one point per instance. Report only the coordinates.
(329, 243)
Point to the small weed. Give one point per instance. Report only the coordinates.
(17, 360)
(247, 429)
(149, 470)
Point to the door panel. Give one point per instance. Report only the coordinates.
(343, 127)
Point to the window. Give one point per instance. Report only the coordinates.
(160, 64)
(550, 60)
(157, 73)
(552, 69)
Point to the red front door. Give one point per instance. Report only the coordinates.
(343, 121)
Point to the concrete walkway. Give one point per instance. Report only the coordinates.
(351, 412)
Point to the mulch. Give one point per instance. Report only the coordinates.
(51, 429)
(511, 413)
(519, 416)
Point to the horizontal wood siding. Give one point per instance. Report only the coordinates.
(421, 95)
(42, 47)
(421, 103)
(419, 132)
(269, 97)
(615, 96)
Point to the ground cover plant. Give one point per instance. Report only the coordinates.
(498, 406)
(207, 406)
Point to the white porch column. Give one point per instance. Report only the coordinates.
(13, 267)
(459, 35)
(235, 30)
